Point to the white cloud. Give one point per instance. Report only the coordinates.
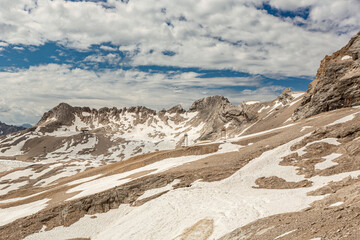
(110, 58)
(326, 15)
(28, 93)
(107, 48)
(250, 39)
(18, 48)
(3, 44)
(209, 34)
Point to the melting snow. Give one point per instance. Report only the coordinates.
(231, 203)
(328, 162)
(346, 57)
(304, 128)
(82, 180)
(20, 198)
(344, 119)
(297, 94)
(251, 102)
(263, 108)
(10, 214)
(287, 233)
(7, 165)
(155, 191)
(336, 204)
(108, 182)
(6, 188)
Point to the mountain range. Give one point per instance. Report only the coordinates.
(284, 169)
(7, 129)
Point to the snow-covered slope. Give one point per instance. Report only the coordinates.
(205, 191)
(87, 138)
(215, 171)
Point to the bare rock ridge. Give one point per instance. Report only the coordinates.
(6, 129)
(215, 112)
(337, 83)
(285, 96)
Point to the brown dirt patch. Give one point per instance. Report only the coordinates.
(274, 182)
(201, 230)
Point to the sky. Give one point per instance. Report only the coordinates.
(160, 53)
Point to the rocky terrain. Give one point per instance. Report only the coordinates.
(7, 129)
(337, 83)
(285, 169)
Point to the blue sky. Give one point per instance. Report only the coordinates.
(161, 53)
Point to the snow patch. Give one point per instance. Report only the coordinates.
(251, 102)
(305, 127)
(82, 180)
(296, 94)
(7, 165)
(287, 233)
(20, 198)
(336, 204)
(346, 57)
(328, 161)
(231, 203)
(155, 191)
(263, 108)
(10, 214)
(344, 119)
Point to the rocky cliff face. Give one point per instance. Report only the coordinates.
(7, 129)
(208, 115)
(217, 112)
(337, 83)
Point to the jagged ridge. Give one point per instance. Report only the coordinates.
(337, 83)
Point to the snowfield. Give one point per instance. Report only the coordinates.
(10, 214)
(231, 203)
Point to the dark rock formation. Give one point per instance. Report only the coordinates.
(7, 129)
(337, 83)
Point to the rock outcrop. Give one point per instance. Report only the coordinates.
(337, 83)
(217, 111)
(214, 112)
(7, 129)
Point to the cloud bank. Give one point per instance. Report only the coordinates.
(276, 38)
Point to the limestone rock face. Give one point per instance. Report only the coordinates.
(285, 96)
(212, 113)
(216, 111)
(64, 113)
(337, 83)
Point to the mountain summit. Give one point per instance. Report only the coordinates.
(260, 170)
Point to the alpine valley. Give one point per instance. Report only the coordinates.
(285, 169)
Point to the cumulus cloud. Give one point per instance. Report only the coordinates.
(40, 88)
(108, 48)
(110, 58)
(207, 33)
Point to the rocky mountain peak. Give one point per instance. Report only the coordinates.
(337, 83)
(286, 96)
(209, 102)
(176, 109)
(63, 113)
